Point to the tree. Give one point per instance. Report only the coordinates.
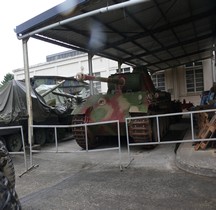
(8, 77)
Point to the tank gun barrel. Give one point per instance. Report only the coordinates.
(82, 77)
(52, 89)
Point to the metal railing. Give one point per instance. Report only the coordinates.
(23, 142)
(157, 117)
(55, 127)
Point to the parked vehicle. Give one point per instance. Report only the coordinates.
(13, 112)
(128, 95)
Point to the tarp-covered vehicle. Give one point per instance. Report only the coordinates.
(13, 112)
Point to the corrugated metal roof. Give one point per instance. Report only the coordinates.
(159, 34)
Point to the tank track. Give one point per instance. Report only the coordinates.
(79, 133)
(140, 130)
(145, 130)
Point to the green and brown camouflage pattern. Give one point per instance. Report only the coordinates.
(129, 94)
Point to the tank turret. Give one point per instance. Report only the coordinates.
(128, 94)
(138, 80)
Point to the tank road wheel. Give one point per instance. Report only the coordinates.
(164, 126)
(14, 142)
(50, 135)
(93, 141)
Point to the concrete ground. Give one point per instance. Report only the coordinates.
(94, 181)
(149, 179)
(202, 162)
(55, 167)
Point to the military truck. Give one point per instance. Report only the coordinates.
(13, 112)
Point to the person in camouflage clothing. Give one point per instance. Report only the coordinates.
(8, 196)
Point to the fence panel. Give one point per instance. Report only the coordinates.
(86, 139)
(193, 138)
(23, 142)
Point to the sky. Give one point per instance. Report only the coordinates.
(13, 13)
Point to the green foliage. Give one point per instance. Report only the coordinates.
(8, 77)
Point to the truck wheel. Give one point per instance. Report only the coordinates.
(40, 136)
(50, 135)
(14, 142)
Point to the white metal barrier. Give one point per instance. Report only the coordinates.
(23, 142)
(189, 113)
(86, 139)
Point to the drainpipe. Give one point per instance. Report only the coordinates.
(28, 94)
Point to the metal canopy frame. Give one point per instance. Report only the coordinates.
(159, 34)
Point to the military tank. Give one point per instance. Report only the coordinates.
(128, 95)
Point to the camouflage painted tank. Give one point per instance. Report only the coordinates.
(129, 94)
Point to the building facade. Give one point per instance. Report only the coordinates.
(184, 82)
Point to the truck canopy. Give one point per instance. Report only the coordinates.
(13, 106)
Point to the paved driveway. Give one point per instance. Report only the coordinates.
(93, 181)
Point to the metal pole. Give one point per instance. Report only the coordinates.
(213, 63)
(119, 67)
(90, 56)
(158, 128)
(86, 137)
(28, 95)
(192, 126)
(119, 146)
(56, 139)
(24, 149)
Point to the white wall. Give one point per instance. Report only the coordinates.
(174, 78)
(69, 67)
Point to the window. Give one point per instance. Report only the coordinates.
(61, 55)
(159, 80)
(194, 77)
(97, 84)
(124, 70)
